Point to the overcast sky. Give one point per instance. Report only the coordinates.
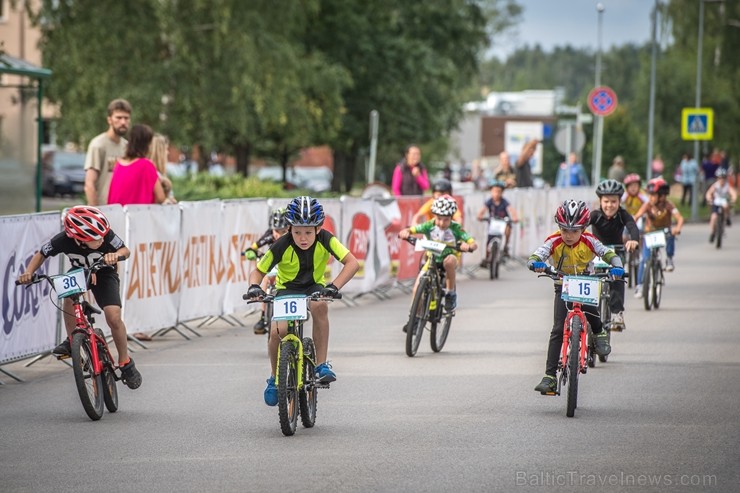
(559, 22)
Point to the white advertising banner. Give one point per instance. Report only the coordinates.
(358, 227)
(388, 216)
(29, 316)
(203, 260)
(153, 272)
(242, 223)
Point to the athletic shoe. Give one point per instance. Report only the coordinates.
(63, 349)
(450, 301)
(261, 326)
(669, 265)
(484, 264)
(548, 385)
(324, 374)
(711, 238)
(617, 322)
(638, 291)
(271, 392)
(602, 344)
(130, 375)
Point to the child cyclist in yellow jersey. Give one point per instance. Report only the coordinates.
(440, 187)
(278, 227)
(86, 239)
(570, 250)
(301, 257)
(659, 213)
(443, 229)
(633, 196)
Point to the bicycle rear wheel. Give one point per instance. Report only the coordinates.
(647, 280)
(719, 227)
(288, 389)
(417, 316)
(439, 332)
(573, 366)
(634, 267)
(89, 385)
(308, 395)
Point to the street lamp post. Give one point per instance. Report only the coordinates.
(599, 120)
(651, 111)
(697, 104)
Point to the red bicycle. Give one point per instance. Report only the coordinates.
(578, 339)
(92, 362)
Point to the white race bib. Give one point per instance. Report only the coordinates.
(656, 239)
(582, 289)
(496, 227)
(71, 283)
(291, 307)
(433, 246)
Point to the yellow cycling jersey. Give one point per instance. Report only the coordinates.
(632, 203)
(574, 259)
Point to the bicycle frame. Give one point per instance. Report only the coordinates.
(573, 312)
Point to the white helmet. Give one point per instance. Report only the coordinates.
(444, 206)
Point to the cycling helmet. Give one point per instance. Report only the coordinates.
(444, 206)
(497, 183)
(720, 173)
(304, 211)
(659, 186)
(631, 178)
(609, 187)
(277, 219)
(442, 185)
(85, 223)
(573, 214)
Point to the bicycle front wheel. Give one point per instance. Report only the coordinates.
(573, 366)
(493, 265)
(657, 285)
(647, 280)
(288, 389)
(719, 227)
(308, 395)
(89, 385)
(439, 332)
(417, 317)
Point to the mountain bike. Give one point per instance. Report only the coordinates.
(601, 269)
(428, 302)
(652, 276)
(719, 223)
(295, 378)
(632, 263)
(270, 290)
(577, 336)
(495, 248)
(92, 362)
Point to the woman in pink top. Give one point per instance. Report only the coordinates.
(135, 179)
(410, 175)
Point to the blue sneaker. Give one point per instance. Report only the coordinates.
(271, 394)
(324, 373)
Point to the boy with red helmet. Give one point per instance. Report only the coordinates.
(86, 238)
(571, 250)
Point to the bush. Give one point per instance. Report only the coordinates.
(204, 187)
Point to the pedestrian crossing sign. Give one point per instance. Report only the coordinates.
(697, 124)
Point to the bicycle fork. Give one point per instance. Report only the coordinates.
(298, 345)
(583, 349)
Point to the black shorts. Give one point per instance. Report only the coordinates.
(107, 288)
(314, 288)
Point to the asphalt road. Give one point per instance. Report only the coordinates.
(661, 415)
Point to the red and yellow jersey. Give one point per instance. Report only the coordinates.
(574, 259)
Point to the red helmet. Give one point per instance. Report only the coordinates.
(573, 214)
(659, 186)
(631, 178)
(85, 223)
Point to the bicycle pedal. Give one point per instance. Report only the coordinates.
(322, 385)
(61, 357)
(549, 393)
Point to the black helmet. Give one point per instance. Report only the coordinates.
(573, 214)
(304, 211)
(442, 185)
(278, 220)
(609, 187)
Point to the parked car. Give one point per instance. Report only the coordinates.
(312, 179)
(63, 173)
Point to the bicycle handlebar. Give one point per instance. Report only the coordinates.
(505, 219)
(269, 298)
(413, 239)
(555, 274)
(96, 266)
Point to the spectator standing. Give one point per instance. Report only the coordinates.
(657, 166)
(523, 166)
(616, 170)
(505, 173)
(410, 175)
(135, 179)
(571, 173)
(689, 170)
(158, 155)
(709, 167)
(103, 152)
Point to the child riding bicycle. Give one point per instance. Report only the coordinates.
(440, 187)
(659, 213)
(571, 250)
(721, 196)
(633, 196)
(496, 206)
(608, 222)
(443, 229)
(301, 257)
(86, 238)
(278, 227)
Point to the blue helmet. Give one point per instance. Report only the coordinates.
(304, 211)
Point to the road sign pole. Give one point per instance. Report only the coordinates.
(694, 201)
